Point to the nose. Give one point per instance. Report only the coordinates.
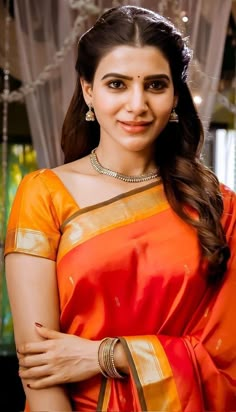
(137, 101)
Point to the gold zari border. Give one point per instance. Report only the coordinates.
(31, 242)
(104, 396)
(110, 216)
(152, 373)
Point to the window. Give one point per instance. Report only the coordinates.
(225, 157)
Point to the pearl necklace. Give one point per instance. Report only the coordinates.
(130, 179)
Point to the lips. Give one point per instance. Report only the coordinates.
(134, 127)
(132, 123)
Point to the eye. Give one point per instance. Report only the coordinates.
(156, 85)
(116, 84)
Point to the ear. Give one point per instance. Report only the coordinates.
(87, 91)
(176, 99)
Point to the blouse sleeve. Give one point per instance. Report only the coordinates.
(33, 226)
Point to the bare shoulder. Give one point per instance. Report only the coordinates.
(79, 167)
(83, 182)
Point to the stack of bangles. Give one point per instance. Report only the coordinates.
(106, 358)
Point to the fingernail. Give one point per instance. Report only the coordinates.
(28, 385)
(39, 325)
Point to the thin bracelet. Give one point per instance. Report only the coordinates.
(101, 367)
(114, 370)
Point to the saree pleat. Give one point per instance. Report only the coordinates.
(129, 267)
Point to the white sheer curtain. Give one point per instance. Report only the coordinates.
(207, 27)
(225, 157)
(43, 26)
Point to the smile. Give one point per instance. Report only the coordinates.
(134, 127)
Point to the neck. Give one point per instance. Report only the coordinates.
(126, 162)
(135, 178)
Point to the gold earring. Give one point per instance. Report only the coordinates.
(174, 118)
(90, 116)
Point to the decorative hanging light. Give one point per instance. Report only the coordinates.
(184, 17)
(197, 99)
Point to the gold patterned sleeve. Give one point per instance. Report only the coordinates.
(33, 227)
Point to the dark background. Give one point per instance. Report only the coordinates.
(11, 393)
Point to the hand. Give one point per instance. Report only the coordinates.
(60, 358)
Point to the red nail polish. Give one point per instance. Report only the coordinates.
(39, 325)
(28, 385)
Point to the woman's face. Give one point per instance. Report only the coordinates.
(132, 95)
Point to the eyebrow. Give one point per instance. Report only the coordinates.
(123, 76)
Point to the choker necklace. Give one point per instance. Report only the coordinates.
(131, 179)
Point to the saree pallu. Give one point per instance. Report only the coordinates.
(130, 267)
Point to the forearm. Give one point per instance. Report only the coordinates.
(52, 399)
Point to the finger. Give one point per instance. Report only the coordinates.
(32, 347)
(48, 333)
(31, 361)
(34, 373)
(19, 355)
(45, 382)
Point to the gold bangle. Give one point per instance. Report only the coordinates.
(100, 358)
(115, 372)
(106, 361)
(106, 358)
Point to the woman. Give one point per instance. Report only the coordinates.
(118, 262)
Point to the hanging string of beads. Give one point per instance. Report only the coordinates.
(6, 92)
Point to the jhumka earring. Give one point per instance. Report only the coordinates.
(174, 118)
(90, 116)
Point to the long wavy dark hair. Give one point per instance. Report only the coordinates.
(188, 184)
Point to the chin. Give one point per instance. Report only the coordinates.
(137, 145)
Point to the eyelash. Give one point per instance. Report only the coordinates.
(113, 82)
(158, 85)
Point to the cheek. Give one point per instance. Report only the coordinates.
(164, 106)
(105, 103)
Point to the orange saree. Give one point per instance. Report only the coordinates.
(129, 267)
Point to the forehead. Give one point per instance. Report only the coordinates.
(130, 60)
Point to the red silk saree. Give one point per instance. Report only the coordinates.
(129, 267)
